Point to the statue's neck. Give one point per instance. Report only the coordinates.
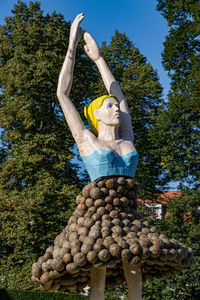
(108, 132)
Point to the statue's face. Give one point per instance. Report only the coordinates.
(109, 113)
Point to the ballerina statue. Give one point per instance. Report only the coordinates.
(105, 242)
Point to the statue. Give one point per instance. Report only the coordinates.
(105, 241)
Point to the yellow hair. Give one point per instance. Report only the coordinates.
(91, 107)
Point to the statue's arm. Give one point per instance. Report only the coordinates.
(65, 82)
(111, 84)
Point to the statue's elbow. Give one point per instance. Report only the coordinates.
(60, 94)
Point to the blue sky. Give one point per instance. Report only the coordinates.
(144, 26)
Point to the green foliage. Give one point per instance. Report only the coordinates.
(184, 286)
(27, 295)
(38, 182)
(182, 224)
(176, 137)
(178, 125)
(142, 90)
(15, 271)
(121, 291)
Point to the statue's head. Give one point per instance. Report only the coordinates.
(105, 109)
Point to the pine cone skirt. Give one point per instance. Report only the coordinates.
(104, 229)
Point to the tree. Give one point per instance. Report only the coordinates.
(178, 134)
(142, 90)
(178, 126)
(38, 182)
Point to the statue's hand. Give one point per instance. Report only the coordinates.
(75, 30)
(91, 47)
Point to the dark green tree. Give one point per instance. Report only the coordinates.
(177, 139)
(38, 182)
(178, 126)
(139, 82)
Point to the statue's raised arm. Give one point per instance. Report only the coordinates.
(111, 85)
(109, 118)
(65, 82)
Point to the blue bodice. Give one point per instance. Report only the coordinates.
(106, 163)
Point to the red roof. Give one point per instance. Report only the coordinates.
(162, 198)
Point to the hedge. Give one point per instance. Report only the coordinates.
(28, 295)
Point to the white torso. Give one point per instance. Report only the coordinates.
(91, 143)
